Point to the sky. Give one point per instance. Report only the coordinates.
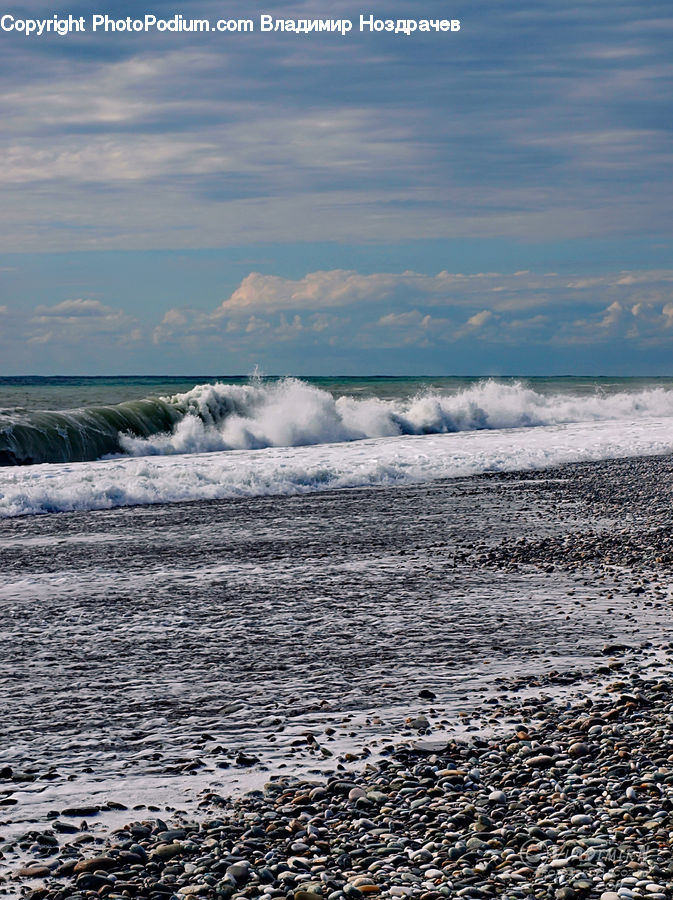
(490, 201)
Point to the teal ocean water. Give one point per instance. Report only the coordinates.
(67, 419)
(66, 392)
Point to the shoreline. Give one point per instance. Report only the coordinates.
(157, 476)
(575, 801)
(573, 559)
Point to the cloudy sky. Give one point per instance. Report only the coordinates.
(496, 200)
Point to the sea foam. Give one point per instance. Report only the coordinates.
(382, 461)
(293, 413)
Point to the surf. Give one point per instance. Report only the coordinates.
(289, 412)
(286, 471)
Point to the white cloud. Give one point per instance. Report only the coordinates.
(263, 304)
(645, 323)
(502, 291)
(404, 319)
(142, 143)
(76, 320)
(612, 315)
(383, 309)
(69, 309)
(317, 290)
(480, 318)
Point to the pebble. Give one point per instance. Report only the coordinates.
(580, 820)
(540, 811)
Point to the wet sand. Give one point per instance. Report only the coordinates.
(154, 654)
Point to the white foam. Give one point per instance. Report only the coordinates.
(292, 413)
(125, 481)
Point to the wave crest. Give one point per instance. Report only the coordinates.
(292, 413)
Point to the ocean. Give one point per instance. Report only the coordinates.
(97, 443)
(210, 582)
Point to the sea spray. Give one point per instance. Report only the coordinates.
(377, 462)
(291, 413)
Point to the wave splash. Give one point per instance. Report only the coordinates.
(293, 413)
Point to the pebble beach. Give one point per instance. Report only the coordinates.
(547, 773)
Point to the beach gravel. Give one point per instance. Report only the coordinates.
(474, 819)
(568, 794)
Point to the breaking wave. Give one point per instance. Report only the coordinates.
(378, 462)
(293, 413)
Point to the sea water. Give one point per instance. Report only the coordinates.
(97, 443)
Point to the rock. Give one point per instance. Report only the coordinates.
(579, 749)
(66, 868)
(499, 797)
(475, 843)
(540, 762)
(239, 871)
(270, 721)
(34, 871)
(171, 834)
(579, 821)
(81, 812)
(419, 723)
(64, 827)
(166, 851)
(244, 759)
(90, 882)
(96, 862)
(429, 748)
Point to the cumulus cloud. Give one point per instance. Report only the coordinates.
(317, 290)
(475, 324)
(489, 291)
(412, 308)
(355, 311)
(480, 318)
(407, 329)
(612, 315)
(645, 323)
(340, 287)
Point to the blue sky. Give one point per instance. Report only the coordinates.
(492, 201)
